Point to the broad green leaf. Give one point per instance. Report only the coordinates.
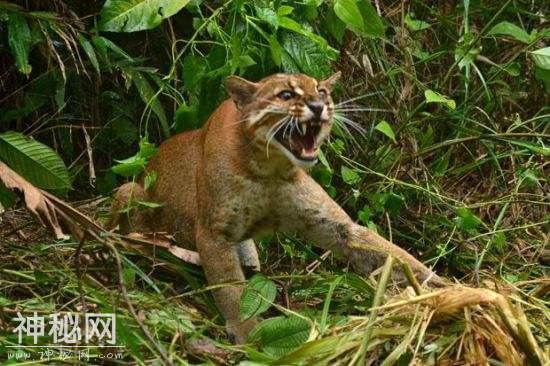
(136, 15)
(129, 167)
(434, 97)
(151, 100)
(276, 50)
(544, 76)
(257, 297)
(34, 161)
(194, 68)
(349, 12)
(268, 15)
(305, 56)
(349, 176)
(146, 149)
(280, 335)
(19, 39)
(284, 10)
(186, 118)
(294, 26)
(134, 165)
(386, 129)
(415, 24)
(511, 30)
(330, 347)
(103, 45)
(335, 26)
(373, 26)
(542, 58)
(90, 52)
(172, 320)
(360, 17)
(466, 220)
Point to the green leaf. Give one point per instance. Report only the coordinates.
(194, 68)
(466, 220)
(7, 197)
(257, 297)
(129, 167)
(134, 165)
(544, 76)
(542, 58)
(20, 40)
(511, 30)
(349, 12)
(294, 26)
(146, 149)
(334, 25)
(434, 97)
(280, 335)
(364, 215)
(284, 10)
(414, 24)
(349, 176)
(386, 129)
(542, 150)
(268, 15)
(373, 26)
(34, 161)
(90, 52)
(276, 50)
(360, 17)
(148, 204)
(172, 320)
(150, 98)
(305, 56)
(136, 15)
(150, 180)
(103, 44)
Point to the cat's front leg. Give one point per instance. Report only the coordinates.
(310, 212)
(221, 264)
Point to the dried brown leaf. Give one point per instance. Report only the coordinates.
(35, 201)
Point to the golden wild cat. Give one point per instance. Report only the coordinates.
(241, 175)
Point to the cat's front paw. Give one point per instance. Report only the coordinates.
(238, 332)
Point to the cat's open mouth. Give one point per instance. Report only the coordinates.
(300, 139)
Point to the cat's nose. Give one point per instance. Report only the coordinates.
(316, 108)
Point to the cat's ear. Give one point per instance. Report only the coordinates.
(331, 81)
(240, 90)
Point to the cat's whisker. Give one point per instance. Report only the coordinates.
(287, 126)
(358, 98)
(361, 109)
(270, 134)
(268, 110)
(346, 121)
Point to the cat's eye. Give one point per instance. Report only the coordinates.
(286, 95)
(322, 93)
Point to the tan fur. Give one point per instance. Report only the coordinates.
(222, 187)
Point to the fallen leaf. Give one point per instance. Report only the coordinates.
(35, 201)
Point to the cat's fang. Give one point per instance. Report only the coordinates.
(303, 129)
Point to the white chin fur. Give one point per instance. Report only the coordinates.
(304, 164)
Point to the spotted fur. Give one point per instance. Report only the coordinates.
(224, 184)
